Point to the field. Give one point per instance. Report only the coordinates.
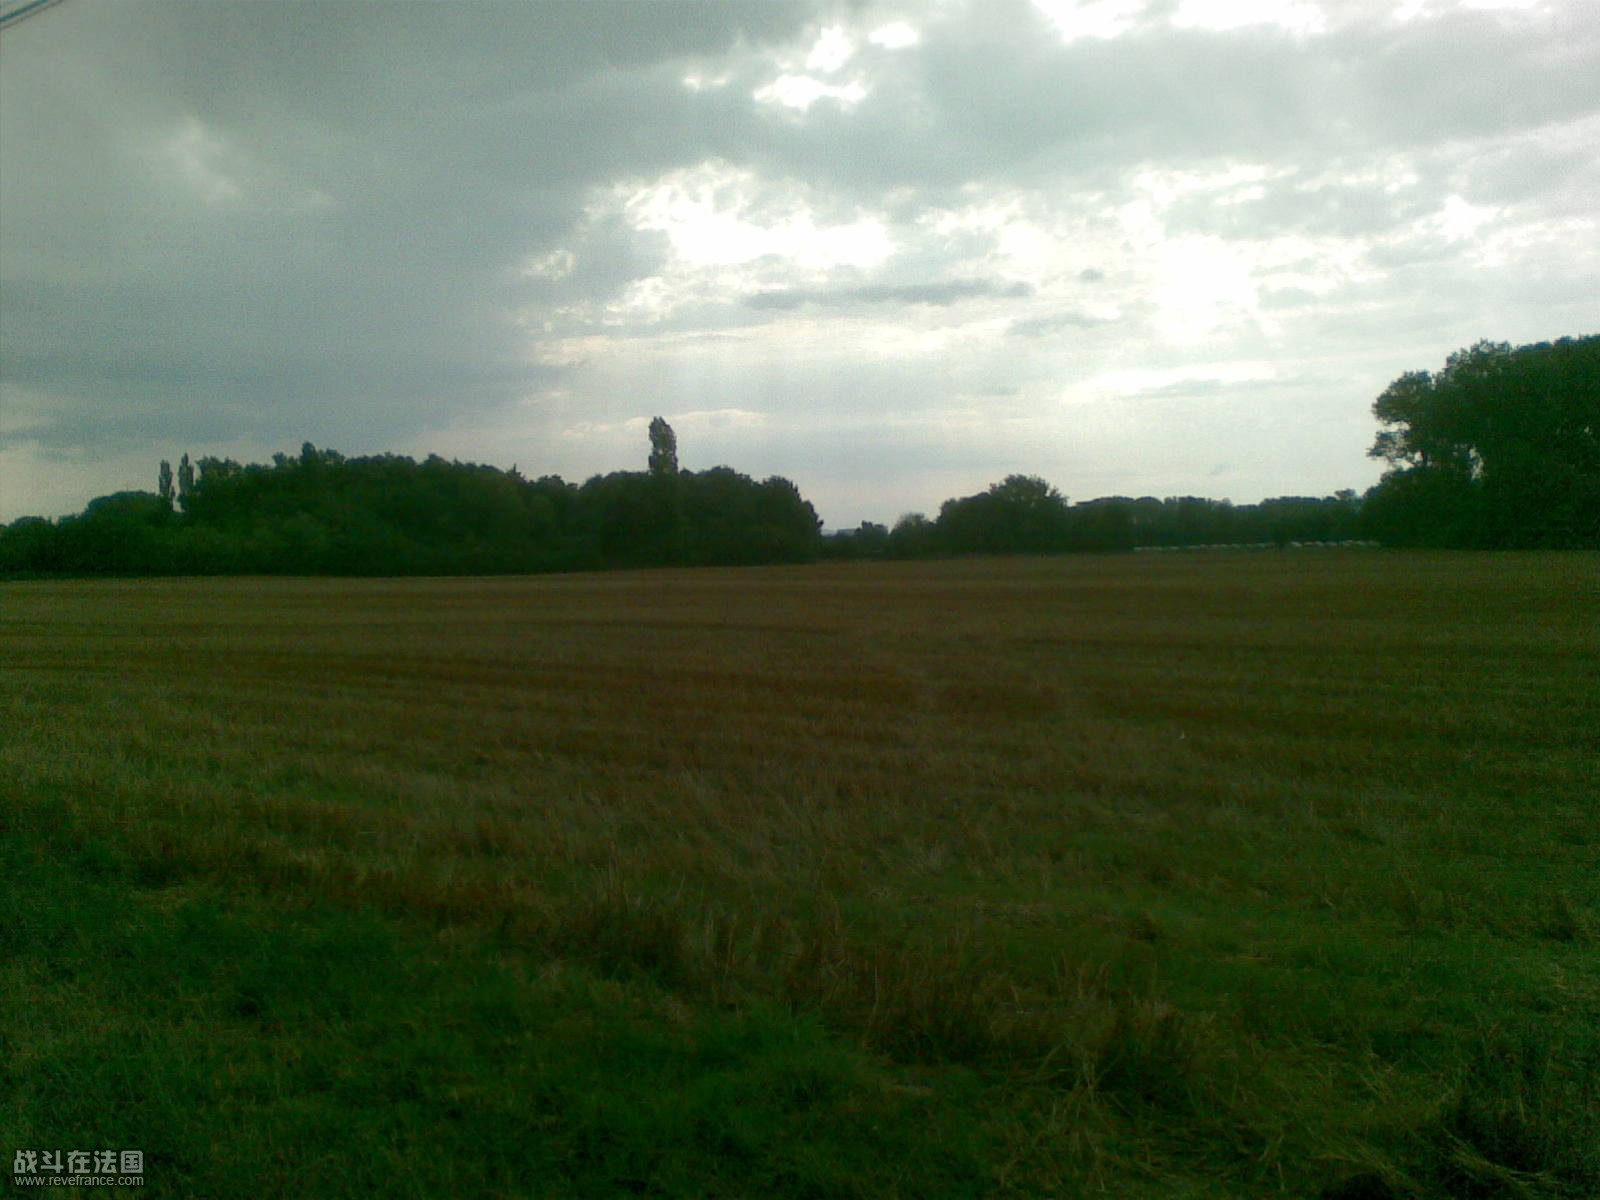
(1196, 875)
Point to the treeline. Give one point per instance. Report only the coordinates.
(1500, 449)
(321, 513)
(1024, 514)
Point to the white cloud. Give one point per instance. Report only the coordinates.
(713, 215)
(1296, 16)
(1409, 10)
(1459, 220)
(1100, 19)
(701, 81)
(1229, 183)
(833, 49)
(1201, 284)
(802, 91)
(555, 265)
(897, 35)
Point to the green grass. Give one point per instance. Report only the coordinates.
(1190, 876)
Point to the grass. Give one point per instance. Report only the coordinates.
(1198, 876)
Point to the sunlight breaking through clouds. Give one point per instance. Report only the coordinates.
(897, 35)
(715, 214)
(1102, 19)
(802, 91)
(869, 223)
(832, 51)
(1201, 285)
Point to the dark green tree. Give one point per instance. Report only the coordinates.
(1022, 514)
(124, 533)
(1499, 448)
(913, 536)
(663, 448)
(1104, 524)
(872, 540)
(185, 482)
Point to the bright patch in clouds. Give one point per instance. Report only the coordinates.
(1460, 220)
(832, 51)
(700, 81)
(1297, 16)
(799, 89)
(802, 91)
(204, 162)
(1103, 19)
(897, 35)
(1228, 184)
(717, 215)
(1202, 283)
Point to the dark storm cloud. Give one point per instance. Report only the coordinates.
(281, 218)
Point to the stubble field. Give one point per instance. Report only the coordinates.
(1197, 875)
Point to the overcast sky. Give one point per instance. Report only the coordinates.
(892, 250)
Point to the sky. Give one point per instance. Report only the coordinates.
(893, 250)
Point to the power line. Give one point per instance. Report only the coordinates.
(21, 12)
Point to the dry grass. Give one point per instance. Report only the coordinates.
(1200, 875)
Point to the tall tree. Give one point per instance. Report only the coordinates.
(663, 448)
(185, 481)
